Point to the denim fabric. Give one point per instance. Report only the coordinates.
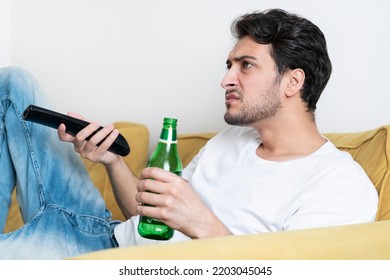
(63, 212)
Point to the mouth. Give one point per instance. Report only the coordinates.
(231, 97)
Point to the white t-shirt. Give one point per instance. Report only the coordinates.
(252, 195)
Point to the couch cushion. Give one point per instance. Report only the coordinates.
(371, 149)
(349, 242)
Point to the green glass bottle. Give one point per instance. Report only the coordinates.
(165, 156)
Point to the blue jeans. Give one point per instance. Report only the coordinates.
(64, 214)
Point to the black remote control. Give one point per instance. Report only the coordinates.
(73, 126)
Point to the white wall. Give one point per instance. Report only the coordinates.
(5, 32)
(143, 60)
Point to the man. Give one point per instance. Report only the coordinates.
(270, 171)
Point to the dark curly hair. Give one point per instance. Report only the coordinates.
(295, 43)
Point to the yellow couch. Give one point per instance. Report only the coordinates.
(360, 241)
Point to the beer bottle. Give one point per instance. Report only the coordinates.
(165, 156)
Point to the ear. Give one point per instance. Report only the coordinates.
(295, 81)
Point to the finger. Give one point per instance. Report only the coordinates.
(149, 198)
(102, 138)
(155, 186)
(158, 174)
(148, 211)
(76, 115)
(86, 132)
(63, 135)
(107, 142)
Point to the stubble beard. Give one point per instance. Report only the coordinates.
(263, 107)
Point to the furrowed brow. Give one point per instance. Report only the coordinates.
(239, 58)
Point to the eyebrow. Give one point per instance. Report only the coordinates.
(240, 58)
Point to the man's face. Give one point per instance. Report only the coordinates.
(251, 84)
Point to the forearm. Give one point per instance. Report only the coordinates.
(124, 185)
(211, 227)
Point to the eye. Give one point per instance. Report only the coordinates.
(247, 64)
(228, 65)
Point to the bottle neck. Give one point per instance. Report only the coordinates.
(168, 135)
(168, 132)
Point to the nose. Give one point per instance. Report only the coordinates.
(230, 79)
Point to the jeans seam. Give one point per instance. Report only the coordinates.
(70, 214)
(31, 148)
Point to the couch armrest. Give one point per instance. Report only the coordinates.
(358, 241)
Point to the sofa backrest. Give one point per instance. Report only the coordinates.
(371, 149)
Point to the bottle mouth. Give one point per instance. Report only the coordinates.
(170, 121)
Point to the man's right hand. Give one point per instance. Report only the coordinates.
(88, 149)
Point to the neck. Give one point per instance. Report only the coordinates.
(288, 138)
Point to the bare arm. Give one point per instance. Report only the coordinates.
(124, 184)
